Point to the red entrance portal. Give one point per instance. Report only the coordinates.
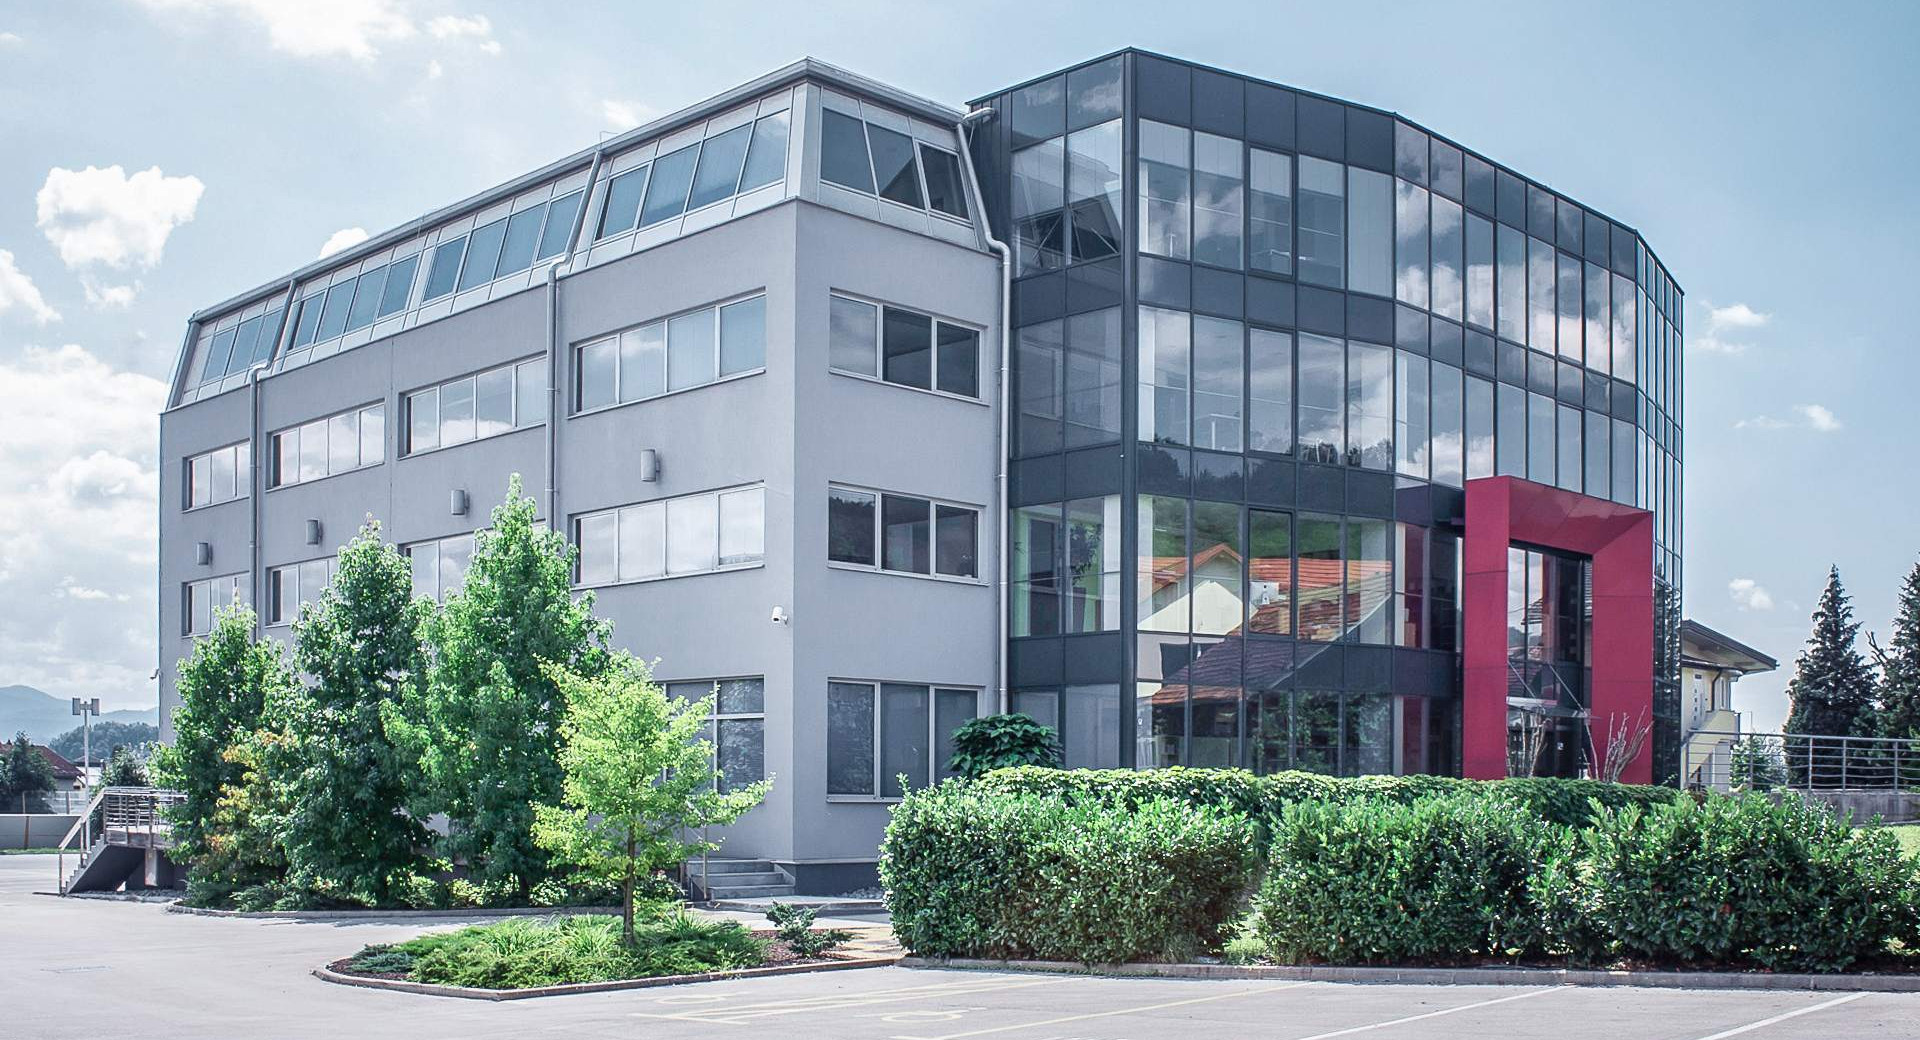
(1619, 539)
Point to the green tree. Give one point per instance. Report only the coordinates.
(107, 737)
(639, 779)
(1899, 660)
(486, 728)
(1831, 691)
(24, 774)
(124, 769)
(348, 831)
(225, 687)
(999, 741)
(1754, 765)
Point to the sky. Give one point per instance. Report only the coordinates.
(158, 156)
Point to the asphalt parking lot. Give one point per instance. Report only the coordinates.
(81, 968)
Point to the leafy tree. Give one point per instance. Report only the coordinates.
(1832, 687)
(245, 863)
(486, 725)
(1754, 765)
(992, 742)
(639, 780)
(24, 772)
(360, 645)
(1899, 707)
(107, 737)
(124, 769)
(225, 687)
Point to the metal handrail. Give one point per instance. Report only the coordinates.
(83, 825)
(128, 810)
(1812, 761)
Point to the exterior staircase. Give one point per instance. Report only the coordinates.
(721, 879)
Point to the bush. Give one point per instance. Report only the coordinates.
(1002, 741)
(1746, 881)
(1263, 798)
(519, 953)
(1442, 879)
(794, 926)
(978, 873)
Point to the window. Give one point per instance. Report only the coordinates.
(1166, 349)
(1219, 359)
(1479, 428)
(1162, 596)
(1270, 391)
(946, 188)
(722, 157)
(1413, 401)
(692, 534)
(1270, 217)
(485, 404)
(879, 732)
(440, 566)
(233, 350)
(199, 600)
(905, 534)
(1568, 296)
(1511, 284)
(1066, 567)
(1541, 278)
(1540, 435)
(1448, 432)
(1510, 442)
(677, 353)
(1093, 191)
(1480, 254)
(295, 585)
(1270, 572)
(1087, 719)
(1322, 399)
(1369, 406)
(1599, 352)
(874, 160)
(1166, 190)
(668, 185)
(1369, 232)
(1039, 200)
(325, 447)
(1318, 591)
(1219, 204)
(1447, 281)
(843, 152)
(900, 345)
(894, 170)
(500, 248)
(1624, 330)
(622, 208)
(1410, 221)
(1599, 481)
(1323, 222)
(1570, 453)
(736, 727)
(220, 475)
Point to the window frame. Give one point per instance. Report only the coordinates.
(269, 615)
(935, 768)
(716, 716)
(877, 546)
(879, 358)
(439, 591)
(239, 587)
(577, 370)
(242, 476)
(666, 574)
(915, 144)
(404, 428)
(275, 481)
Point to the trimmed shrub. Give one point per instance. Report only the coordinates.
(1745, 881)
(1002, 741)
(977, 873)
(518, 952)
(1567, 802)
(1442, 879)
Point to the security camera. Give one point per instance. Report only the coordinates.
(779, 616)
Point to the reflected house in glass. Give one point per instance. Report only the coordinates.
(1266, 351)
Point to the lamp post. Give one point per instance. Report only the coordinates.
(86, 709)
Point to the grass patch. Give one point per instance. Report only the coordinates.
(519, 953)
(1908, 835)
(36, 852)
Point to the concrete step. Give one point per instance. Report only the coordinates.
(718, 867)
(749, 891)
(768, 879)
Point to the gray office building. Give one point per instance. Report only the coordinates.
(1181, 468)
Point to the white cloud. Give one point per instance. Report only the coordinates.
(78, 440)
(104, 217)
(17, 290)
(625, 115)
(342, 239)
(1733, 318)
(353, 29)
(1749, 595)
(9, 39)
(1816, 417)
(434, 69)
(109, 297)
(455, 27)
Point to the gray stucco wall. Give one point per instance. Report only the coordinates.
(796, 427)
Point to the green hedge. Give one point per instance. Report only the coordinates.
(1442, 879)
(1735, 882)
(978, 873)
(1746, 880)
(1568, 802)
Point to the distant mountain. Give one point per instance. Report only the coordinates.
(45, 716)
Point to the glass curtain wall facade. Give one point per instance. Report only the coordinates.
(1262, 338)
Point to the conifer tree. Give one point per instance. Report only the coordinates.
(1832, 689)
(1899, 707)
(486, 727)
(359, 647)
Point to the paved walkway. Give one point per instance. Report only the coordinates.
(73, 968)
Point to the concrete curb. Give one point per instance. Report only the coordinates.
(828, 908)
(469, 993)
(388, 915)
(1452, 976)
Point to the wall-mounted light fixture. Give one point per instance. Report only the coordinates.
(649, 465)
(313, 532)
(203, 553)
(457, 502)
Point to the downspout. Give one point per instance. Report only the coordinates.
(552, 435)
(1003, 436)
(256, 438)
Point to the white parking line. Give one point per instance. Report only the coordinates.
(1109, 1014)
(745, 1014)
(1765, 1022)
(1433, 1014)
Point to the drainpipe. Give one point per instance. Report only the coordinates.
(1002, 436)
(256, 444)
(552, 436)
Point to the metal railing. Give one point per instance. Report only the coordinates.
(1872, 775)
